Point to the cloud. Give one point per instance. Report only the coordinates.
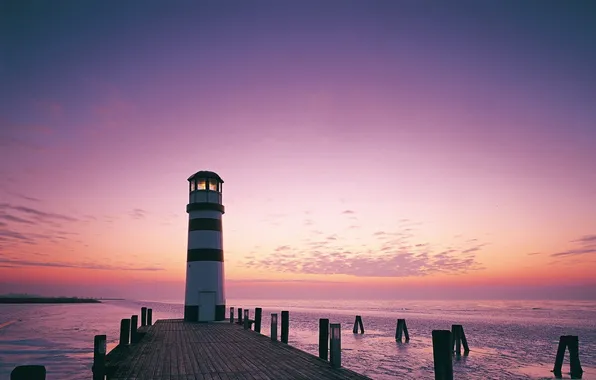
(42, 215)
(534, 253)
(348, 212)
(393, 259)
(138, 214)
(15, 219)
(587, 246)
(30, 263)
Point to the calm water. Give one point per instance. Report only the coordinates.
(508, 340)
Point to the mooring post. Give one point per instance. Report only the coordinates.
(231, 314)
(572, 342)
(258, 312)
(455, 339)
(239, 316)
(246, 319)
(124, 332)
(401, 330)
(335, 337)
(324, 338)
(149, 317)
(143, 316)
(576, 367)
(285, 326)
(442, 354)
(274, 326)
(358, 325)
(134, 322)
(28, 372)
(99, 357)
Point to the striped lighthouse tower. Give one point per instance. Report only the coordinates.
(204, 299)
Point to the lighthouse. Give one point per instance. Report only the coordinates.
(204, 298)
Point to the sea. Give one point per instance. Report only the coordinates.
(507, 339)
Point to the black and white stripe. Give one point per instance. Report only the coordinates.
(205, 268)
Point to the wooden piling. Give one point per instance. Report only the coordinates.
(285, 326)
(124, 332)
(149, 317)
(458, 338)
(401, 329)
(572, 342)
(335, 345)
(246, 319)
(28, 372)
(274, 326)
(442, 354)
(239, 316)
(134, 321)
(99, 357)
(143, 316)
(232, 314)
(358, 325)
(324, 338)
(258, 312)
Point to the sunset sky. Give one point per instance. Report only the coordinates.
(370, 149)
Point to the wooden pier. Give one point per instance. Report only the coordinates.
(177, 350)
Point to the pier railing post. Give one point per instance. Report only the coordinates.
(99, 357)
(134, 322)
(149, 317)
(258, 313)
(285, 326)
(324, 338)
(143, 316)
(239, 315)
(335, 337)
(246, 319)
(28, 372)
(124, 332)
(274, 326)
(232, 314)
(358, 325)
(442, 354)
(458, 338)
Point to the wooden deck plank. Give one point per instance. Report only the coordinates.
(174, 349)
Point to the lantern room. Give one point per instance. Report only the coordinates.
(205, 186)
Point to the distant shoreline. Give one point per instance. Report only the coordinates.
(25, 300)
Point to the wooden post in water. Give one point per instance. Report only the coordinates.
(358, 325)
(124, 332)
(99, 357)
(442, 354)
(246, 319)
(285, 326)
(28, 372)
(401, 330)
(232, 314)
(572, 342)
(274, 326)
(324, 338)
(134, 322)
(143, 316)
(335, 344)
(149, 317)
(258, 312)
(239, 316)
(458, 338)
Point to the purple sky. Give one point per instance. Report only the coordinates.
(378, 142)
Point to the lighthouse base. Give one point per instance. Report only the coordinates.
(191, 313)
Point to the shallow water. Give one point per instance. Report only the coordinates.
(508, 340)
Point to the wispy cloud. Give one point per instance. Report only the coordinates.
(31, 263)
(587, 246)
(395, 258)
(44, 216)
(138, 213)
(348, 212)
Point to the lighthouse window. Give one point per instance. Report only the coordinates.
(213, 184)
(201, 184)
(192, 185)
